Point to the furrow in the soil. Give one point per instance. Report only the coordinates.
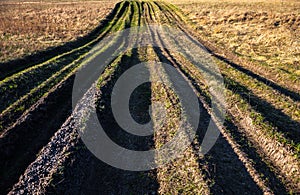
(237, 141)
(268, 146)
(34, 128)
(53, 158)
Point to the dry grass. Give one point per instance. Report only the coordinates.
(26, 27)
(264, 32)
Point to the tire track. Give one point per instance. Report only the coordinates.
(90, 168)
(267, 146)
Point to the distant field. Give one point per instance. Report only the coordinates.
(29, 26)
(266, 33)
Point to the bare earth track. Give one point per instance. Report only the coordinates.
(257, 151)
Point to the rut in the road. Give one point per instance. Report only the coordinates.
(245, 159)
